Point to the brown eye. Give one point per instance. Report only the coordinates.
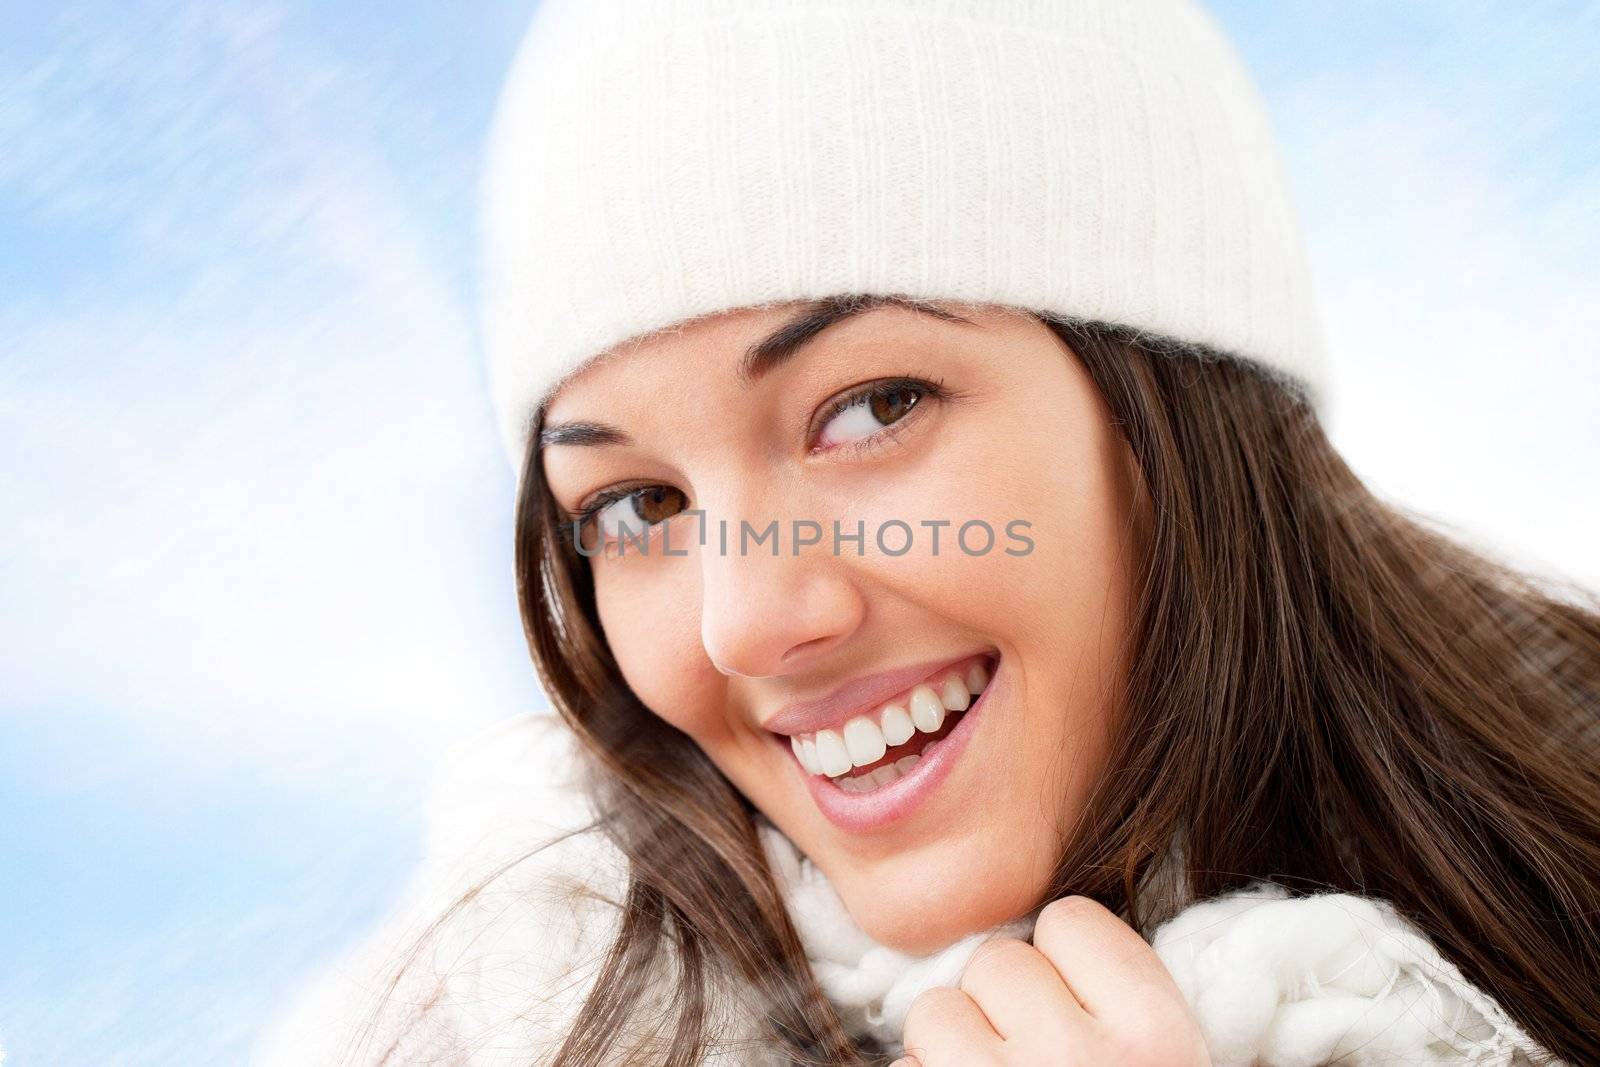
(892, 404)
(659, 503)
(870, 410)
(634, 514)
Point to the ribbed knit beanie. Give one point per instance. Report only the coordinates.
(653, 162)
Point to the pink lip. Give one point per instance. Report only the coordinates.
(883, 807)
(858, 697)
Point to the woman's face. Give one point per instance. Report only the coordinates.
(900, 424)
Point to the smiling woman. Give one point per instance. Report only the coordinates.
(966, 645)
(843, 648)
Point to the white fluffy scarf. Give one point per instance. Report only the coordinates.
(1272, 980)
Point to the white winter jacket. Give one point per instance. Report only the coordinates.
(1273, 981)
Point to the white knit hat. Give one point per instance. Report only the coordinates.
(655, 161)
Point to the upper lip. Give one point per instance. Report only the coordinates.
(859, 696)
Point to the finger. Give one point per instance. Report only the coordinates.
(1018, 989)
(946, 1028)
(1109, 968)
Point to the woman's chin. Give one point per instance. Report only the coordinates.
(920, 923)
(918, 901)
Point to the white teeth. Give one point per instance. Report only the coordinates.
(833, 758)
(889, 772)
(865, 783)
(927, 710)
(977, 678)
(896, 725)
(884, 775)
(864, 741)
(955, 695)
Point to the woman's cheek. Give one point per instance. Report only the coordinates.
(653, 630)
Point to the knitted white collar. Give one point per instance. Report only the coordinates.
(1271, 979)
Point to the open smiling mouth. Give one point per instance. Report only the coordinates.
(880, 764)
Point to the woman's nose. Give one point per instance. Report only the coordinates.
(765, 614)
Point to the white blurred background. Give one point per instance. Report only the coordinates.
(255, 568)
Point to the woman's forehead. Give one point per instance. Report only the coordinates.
(705, 342)
(746, 343)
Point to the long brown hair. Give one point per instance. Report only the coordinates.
(1322, 690)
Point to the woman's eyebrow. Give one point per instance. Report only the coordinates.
(587, 434)
(762, 357)
(782, 344)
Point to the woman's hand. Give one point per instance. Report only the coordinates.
(1089, 990)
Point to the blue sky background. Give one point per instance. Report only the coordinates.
(256, 564)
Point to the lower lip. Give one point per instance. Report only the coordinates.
(889, 804)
